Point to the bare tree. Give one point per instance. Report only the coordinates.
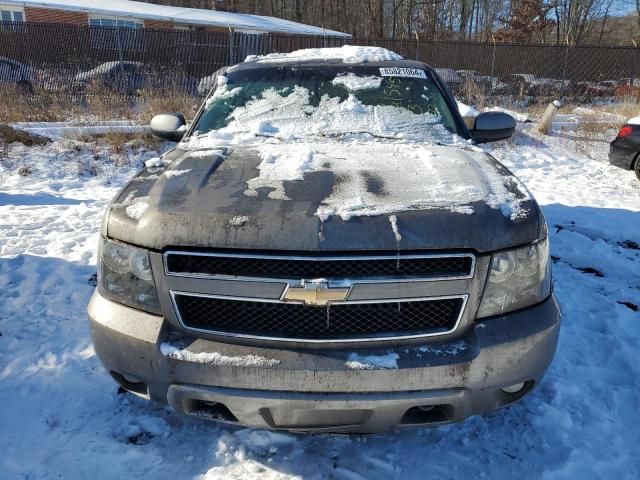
(558, 21)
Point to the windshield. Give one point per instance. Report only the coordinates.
(294, 102)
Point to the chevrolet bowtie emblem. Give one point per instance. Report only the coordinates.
(315, 292)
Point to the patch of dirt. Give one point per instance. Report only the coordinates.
(630, 244)
(10, 135)
(629, 305)
(592, 271)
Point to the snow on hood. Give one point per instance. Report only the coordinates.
(634, 121)
(385, 178)
(346, 53)
(410, 162)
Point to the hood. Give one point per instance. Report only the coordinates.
(326, 197)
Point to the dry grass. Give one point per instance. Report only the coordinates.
(16, 106)
(119, 143)
(595, 129)
(536, 110)
(155, 102)
(626, 107)
(9, 135)
(474, 94)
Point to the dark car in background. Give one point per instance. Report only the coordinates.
(15, 73)
(625, 148)
(122, 77)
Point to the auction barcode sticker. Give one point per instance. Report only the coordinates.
(402, 72)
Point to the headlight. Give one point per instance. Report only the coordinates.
(124, 276)
(517, 279)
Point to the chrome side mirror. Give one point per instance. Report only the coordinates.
(169, 126)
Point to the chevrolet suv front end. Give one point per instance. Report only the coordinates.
(325, 250)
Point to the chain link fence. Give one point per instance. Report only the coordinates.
(79, 61)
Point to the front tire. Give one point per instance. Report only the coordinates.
(636, 168)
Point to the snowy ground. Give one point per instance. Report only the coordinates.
(60, 416)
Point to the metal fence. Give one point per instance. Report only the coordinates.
(73, 60)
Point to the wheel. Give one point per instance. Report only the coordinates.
(636, 168)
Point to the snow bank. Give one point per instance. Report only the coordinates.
(215, 358)
(598, 115)
(71, 130)
(346, 53)
(581, 421)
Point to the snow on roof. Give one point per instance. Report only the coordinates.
(346, 53)
(193, 16)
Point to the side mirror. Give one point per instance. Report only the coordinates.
(169, 126)
(492, 126)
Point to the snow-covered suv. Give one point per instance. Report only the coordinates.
(326, 250)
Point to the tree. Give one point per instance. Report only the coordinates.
(526, 22)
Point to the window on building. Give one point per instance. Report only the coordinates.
(111, 33)
(9, 15)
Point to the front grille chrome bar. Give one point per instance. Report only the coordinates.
(400, 257)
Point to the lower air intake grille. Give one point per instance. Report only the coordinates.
(339, 322)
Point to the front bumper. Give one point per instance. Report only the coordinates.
(323, 390)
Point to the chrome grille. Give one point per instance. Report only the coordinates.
(308, 267)
(323, 298)
(342, 321)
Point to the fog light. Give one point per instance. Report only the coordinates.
(513, 388)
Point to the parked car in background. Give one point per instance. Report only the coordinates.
(624, 151)
(488, 83)
(523, 78)
(368, 270)
(15, 73)
(122, 77)
(529, 84)
(627, 87)
(629, 82)
(450, 77)
(468, 73)
(596, 89)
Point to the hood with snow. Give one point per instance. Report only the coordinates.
(308, 197)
